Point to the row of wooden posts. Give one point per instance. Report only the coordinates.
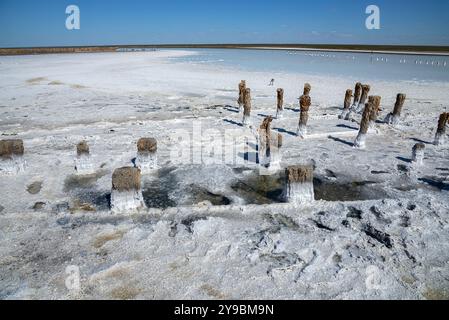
(126, 192)
(126, 182)
(355, 101)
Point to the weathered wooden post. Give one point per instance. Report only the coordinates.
(375, 102)
(360, 141)
(146, 159)
(307, 89)
(305, 102)
(241, 99)
(355, 104)
(264, 142)
(269, 145)
(299, 185)
(357, 93)
(280, 103)
(394, 117)
(247, 108)
(418, 154)
(126, 190)
(346, 104)
(11, 157)
(365, 91)
(440, 136)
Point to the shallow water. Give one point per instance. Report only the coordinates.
(359, 66)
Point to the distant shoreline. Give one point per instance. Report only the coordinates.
(379, 49)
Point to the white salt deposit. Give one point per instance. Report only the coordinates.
(382, 235)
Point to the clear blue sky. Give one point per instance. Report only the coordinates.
(42, 22)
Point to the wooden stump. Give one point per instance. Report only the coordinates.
(11, 156)
(394, 117)
(126, 190)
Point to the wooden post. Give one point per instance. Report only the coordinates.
(440, 136)
(305, 103)
(299, 185)
(11, 157)
(241, 99)
(357, 93)
(247, 108)
(280, 103)
(83, 161)
(346, 104)
(365, 91)
(146, 159)
(126, 190)
(264, 142)
(307, 89)
(394, 117)
(355, 104)
(375, 102)
(364, 126)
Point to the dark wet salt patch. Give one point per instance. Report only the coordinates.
(260, 189)
(92, 199)
(354, 213)
(256, 189)
(380, 236)
(435, 182)
(163, 191)
(349, 191)
(74, 182)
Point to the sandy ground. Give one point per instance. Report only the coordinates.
(379, 227)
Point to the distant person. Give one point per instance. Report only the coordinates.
(271, 83)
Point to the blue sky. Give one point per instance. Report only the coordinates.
(42, 22)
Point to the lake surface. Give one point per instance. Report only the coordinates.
(359, 66)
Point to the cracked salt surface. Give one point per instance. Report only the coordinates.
(379, 227)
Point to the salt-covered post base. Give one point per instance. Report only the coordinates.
(12, 166)
(279, 114)
(392, 119)
(246, 122)
(440, 139)
(146, 162)
(146, 159)
(345, 114)
(360, 107)
(360, 141)
(301, 131)
(418, 154)
(372, 127)
(126, 201)
(349, 114)
(299, 187)
(240, 107)
(274, 164)
(300, 193)
(270, 162)
(84, 165)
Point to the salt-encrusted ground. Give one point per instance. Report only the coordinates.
(388, 239)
